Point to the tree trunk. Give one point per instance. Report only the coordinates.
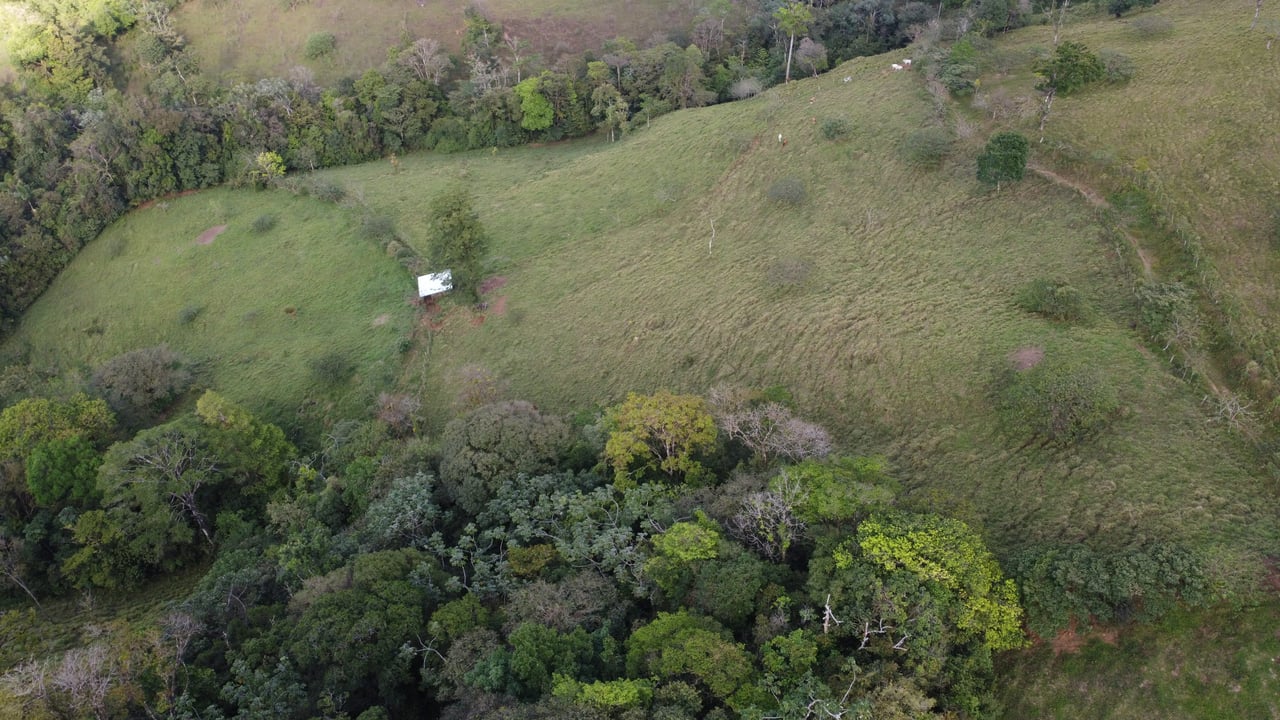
(790, 47)
(1257, 10)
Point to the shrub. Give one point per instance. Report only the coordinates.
(1275, 228)
(1005, 158)
(1119, 67)
(1058, 403)
(1120, 7)
(188, 314)
(787, 191)
(1054, 300)
(745, 88)
(835, 128)
(141, 384)
(927, 147)
(1164, 306)
(1151, 26)
(327, 191)
(263, 223)
(378, 228)
(320, 45)
(332, 368)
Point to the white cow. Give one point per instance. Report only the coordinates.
(896, 66)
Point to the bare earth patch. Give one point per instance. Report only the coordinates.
(206, 237)
(381, 320)
(1025, 358)
(488, 285)
(499, 306)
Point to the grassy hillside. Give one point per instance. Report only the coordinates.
(892, 337)
(248, 39)
(269, 303)
(1197, 129)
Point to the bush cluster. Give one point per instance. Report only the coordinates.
(141, 384)
(1054, 300)
(927, 147)
(788, 191)
(1057, 403)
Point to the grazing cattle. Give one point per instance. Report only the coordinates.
(848, 78)
(896, 66)
(907, 62)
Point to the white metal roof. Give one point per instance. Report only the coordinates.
(435, 283)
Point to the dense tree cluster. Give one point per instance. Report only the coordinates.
(661, 560)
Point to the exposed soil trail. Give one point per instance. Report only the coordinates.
(1095, 199)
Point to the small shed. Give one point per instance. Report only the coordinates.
(435, 283)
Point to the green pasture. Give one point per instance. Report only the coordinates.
(1196, 123)
(250, 39)
(269, 303)
(1218, 665)
(892, 336)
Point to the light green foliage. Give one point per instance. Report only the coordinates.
(662, 432)
(788, 657)
(793, 19)
(406, 515)
(458, 239)
(536, 111)
(457, 618)
(64, 470)
(27, 424)
(1005, 158)
(615, 694)
(947, 553)
(1072, 67)
(838, 489)
(689, 541)
(677, 644)
(255, 453)
(267, 168)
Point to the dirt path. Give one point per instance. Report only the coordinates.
(1095, 199)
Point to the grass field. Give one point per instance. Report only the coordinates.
(248, 39)
(892, 339)
(1219, 665)
(1198, 126)
(269, 303)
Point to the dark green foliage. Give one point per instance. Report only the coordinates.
(327, 191)
(1071, 67)
(957, 70)
(538, 652)
(927, 147)
(264, 222)
(64, 471)
(320, 45)
(1118, 66)
(332, 368)
(1054, 300)
(728, 587)
(1061, 583)
(141, 384)
(488, 447)
(188, 314)
(1005, 158)
(1120, 7)
(836, 128)
(1056, 401)
(458, 240)
(787, 191)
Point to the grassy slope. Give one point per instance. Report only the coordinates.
(248, 39)
(1200, 118)
(893, 339)
(127, 288)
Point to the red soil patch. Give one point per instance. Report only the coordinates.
(488, 285)
(206, 237)
(1070, 641)
(1026, 358)
(499, 306)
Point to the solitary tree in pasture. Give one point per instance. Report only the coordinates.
(458, 239)
(1005, 159)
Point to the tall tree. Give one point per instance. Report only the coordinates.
(458, 239)
(793, 19)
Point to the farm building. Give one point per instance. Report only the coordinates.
(434, 284)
